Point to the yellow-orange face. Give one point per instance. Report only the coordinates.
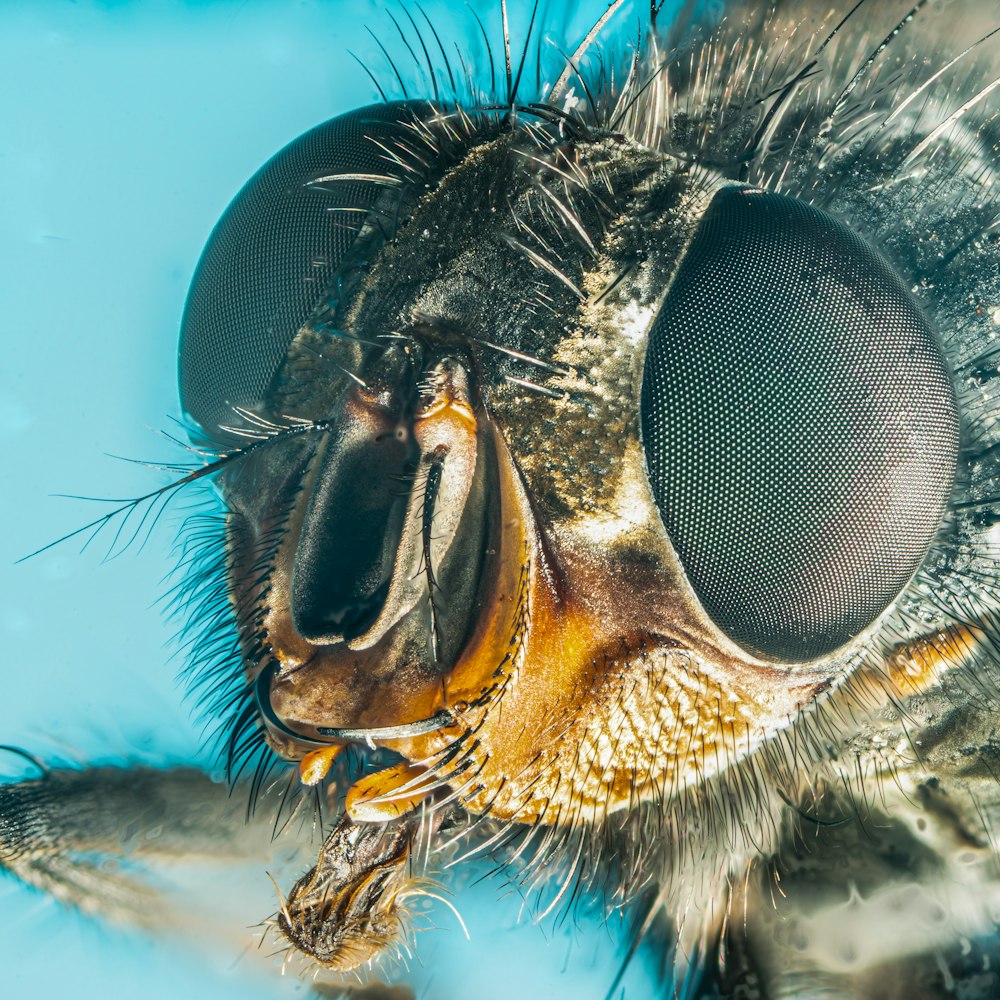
(579, 471)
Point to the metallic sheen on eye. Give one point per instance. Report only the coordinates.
(800, 425)
(274, 254)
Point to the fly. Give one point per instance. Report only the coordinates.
(608, 467)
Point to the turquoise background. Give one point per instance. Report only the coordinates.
(125, 128)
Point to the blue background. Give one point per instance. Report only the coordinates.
(124, 131)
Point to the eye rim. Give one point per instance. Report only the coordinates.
(941, 376)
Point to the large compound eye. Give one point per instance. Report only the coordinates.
(800, 426)
(273, 256)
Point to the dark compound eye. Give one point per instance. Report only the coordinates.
(800, 425)
(274, 254)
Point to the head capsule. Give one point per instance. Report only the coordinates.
(557, 417)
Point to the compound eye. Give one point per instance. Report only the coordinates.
(273, 256)
(800, 426)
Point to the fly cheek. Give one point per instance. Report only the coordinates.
(800, 426)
